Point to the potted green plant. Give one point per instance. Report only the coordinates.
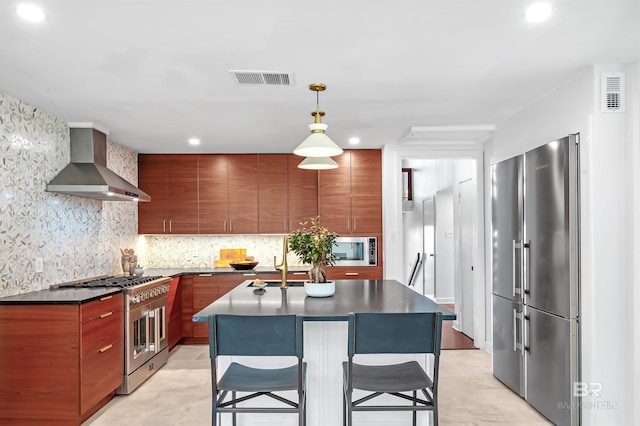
(313, 244)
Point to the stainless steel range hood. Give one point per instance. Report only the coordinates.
(87, 175)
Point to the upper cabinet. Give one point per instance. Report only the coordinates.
(350, 197)
(303, 193)
(258, 193)
(172, 183)
(228, 188)
(287, 195)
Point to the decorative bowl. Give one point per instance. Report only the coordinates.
(320, 289)
(243, 264)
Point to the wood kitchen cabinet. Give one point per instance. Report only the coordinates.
(203, 289)
(174, 313)
(287, 195)
(228, 194)
(273, 187)
(62, 363)
(350, 197)
(172, 183)
(303, 193)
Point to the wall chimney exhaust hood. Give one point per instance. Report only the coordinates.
(87, 175)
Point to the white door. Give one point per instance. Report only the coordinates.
(429, 249)
(467, 194)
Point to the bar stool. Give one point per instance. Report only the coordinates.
(392, 333)
(257, 336)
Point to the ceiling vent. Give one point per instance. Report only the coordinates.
(263, 78)
(612, 89)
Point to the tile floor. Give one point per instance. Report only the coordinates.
(175, 395)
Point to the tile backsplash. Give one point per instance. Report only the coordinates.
(76, 237)
(173, 251)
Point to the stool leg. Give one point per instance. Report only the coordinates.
(233, 396)
(415, 413)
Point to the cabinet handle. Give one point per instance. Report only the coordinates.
(170, 227)
(164, 226)
(351, 274)
(354, 224)
(249, 275)
(230, 225)
(348, 224)
(106, 298)
(285, 225)
(106, 314)
(205, 275)
(290, 225)
(106, 348)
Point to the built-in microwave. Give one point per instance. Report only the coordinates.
(356, 251)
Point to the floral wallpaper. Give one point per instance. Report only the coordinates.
(75, 237)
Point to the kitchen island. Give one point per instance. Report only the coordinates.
(325, 340)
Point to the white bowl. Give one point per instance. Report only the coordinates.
(320, 289)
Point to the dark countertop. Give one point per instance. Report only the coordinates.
(173, 272)
(73, 296)
(59, 297)
(350, 296)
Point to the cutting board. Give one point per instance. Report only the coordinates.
(230, 255)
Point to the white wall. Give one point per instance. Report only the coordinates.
(606, 220)
(633, 82)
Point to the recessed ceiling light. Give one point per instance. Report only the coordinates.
(538, 12)
(31, 12)
(354, 141)
(194, 141)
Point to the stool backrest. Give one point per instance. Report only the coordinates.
(276, 335)
(394, 333)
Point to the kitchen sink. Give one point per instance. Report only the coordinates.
(277, 283)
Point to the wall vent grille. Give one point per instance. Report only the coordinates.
(262, 78)
(613, 87)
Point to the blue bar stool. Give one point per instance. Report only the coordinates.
(277, 335)
(392, 333)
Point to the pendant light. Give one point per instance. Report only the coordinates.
(318, 144)
(318, 163)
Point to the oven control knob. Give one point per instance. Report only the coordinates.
(143, 296)
(136, 299)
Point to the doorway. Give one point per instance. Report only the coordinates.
(446, 276)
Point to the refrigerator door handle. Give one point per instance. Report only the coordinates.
(516, 245)
(523, 269)
(517, 316)
(525, 347)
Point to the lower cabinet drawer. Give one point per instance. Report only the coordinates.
(100, 374)
(354, 273)
(99, 332)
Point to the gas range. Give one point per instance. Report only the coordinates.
(145, 323)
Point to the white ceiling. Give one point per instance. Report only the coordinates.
(155, 72)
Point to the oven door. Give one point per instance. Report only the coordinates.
(147, 333)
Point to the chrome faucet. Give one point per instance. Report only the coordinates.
(283, 268)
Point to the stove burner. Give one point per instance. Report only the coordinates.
(121, 282)
(106, 281)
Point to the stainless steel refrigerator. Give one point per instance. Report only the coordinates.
(536, 277)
